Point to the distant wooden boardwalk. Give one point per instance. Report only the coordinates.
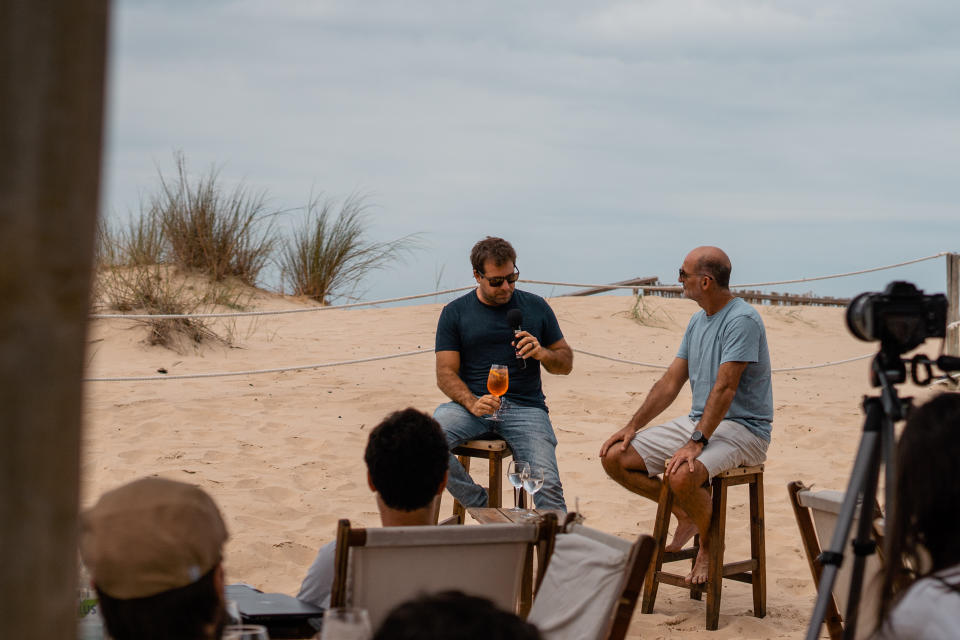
(652, 285)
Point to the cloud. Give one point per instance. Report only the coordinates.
(552, 119)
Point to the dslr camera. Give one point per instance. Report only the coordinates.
(901, 317)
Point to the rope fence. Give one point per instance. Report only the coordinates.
(353, 305)
(950, 327)
(253, 372)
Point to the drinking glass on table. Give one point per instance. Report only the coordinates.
(343, 623)
(497, 382)
(515, 471)
(532, 482)
(245, 632)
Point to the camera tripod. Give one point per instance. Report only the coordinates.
(876, 446)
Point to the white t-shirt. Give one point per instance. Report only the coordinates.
(318, 582)
(930, 610)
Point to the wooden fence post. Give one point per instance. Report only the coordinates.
(51, 126)
(952, 346)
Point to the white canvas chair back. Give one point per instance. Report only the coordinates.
(396, 564)
(585, 579)
(825, 506)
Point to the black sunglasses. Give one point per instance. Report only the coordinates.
(684, 275)
(497, 281)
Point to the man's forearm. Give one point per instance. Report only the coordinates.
(718, 403)
(557, 361)
(660, 397)
(455, 388)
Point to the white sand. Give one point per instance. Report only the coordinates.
(282, 453)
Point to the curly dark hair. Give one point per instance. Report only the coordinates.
(490, 248)
(926, 510)
(454, 616)
(407, 456)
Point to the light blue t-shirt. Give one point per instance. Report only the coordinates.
(733, 334)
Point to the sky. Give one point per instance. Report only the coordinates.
(603, 139)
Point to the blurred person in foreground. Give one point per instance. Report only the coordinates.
(406, 459)
(920, 596)
(473, 333)
(154, 549)
(454, 616)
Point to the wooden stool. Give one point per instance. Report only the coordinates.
(494, 449)
(753, 571)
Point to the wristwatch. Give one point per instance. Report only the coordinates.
(698, 437)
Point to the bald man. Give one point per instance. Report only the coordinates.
(724, 356)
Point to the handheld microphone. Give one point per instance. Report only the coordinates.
(515, 319)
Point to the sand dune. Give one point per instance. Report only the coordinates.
(282, 453)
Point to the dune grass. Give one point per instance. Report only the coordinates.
(211, 230)
(329, 255)
(158, 290)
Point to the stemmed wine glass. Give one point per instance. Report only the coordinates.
(245, 632)
(497, 382)
(515, 471)
(532, 482)
(345, 624)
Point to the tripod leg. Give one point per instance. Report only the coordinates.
(865, 465)
(863, 544)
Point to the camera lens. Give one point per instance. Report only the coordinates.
(860, 317)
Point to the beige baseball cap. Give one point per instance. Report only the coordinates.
(150, 536)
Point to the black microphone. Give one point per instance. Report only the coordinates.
(515, 319)
(946, 363)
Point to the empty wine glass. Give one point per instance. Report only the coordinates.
(515, 471)
(532, 482)
(345, 624)
(245, 632)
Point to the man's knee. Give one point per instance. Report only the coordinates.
(683, 481)
(611, 463)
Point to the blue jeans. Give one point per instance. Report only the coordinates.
(529, 434)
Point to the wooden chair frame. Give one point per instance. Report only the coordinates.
(812, 549)
(539, 539)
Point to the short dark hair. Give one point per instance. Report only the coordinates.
(716, 268)
(407, 456)
(178, 614)
(925, 514)
(454, 616)
(490, 248)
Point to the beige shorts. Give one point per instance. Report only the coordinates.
(731, 445)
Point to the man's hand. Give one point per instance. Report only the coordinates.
(485, 405)
(684, 455)
(528, 346)
(624, 436)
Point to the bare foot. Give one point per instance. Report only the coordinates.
(698, 575)
(685, 531)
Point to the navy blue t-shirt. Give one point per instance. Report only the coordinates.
(482, 335)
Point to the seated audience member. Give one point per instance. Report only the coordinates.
(454, 616)
(154, 548)
(921, 581)
(406, 460)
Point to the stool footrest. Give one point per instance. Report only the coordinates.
(735, 568)
(683, 554)
(674, 579)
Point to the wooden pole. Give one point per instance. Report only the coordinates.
(52, 69)
(952, 346)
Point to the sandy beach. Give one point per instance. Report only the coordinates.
(282, 453)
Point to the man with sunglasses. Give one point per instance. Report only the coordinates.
(724, 355)
(473, 333)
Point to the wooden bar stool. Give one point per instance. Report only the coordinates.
(753, 571)
(494, 449)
